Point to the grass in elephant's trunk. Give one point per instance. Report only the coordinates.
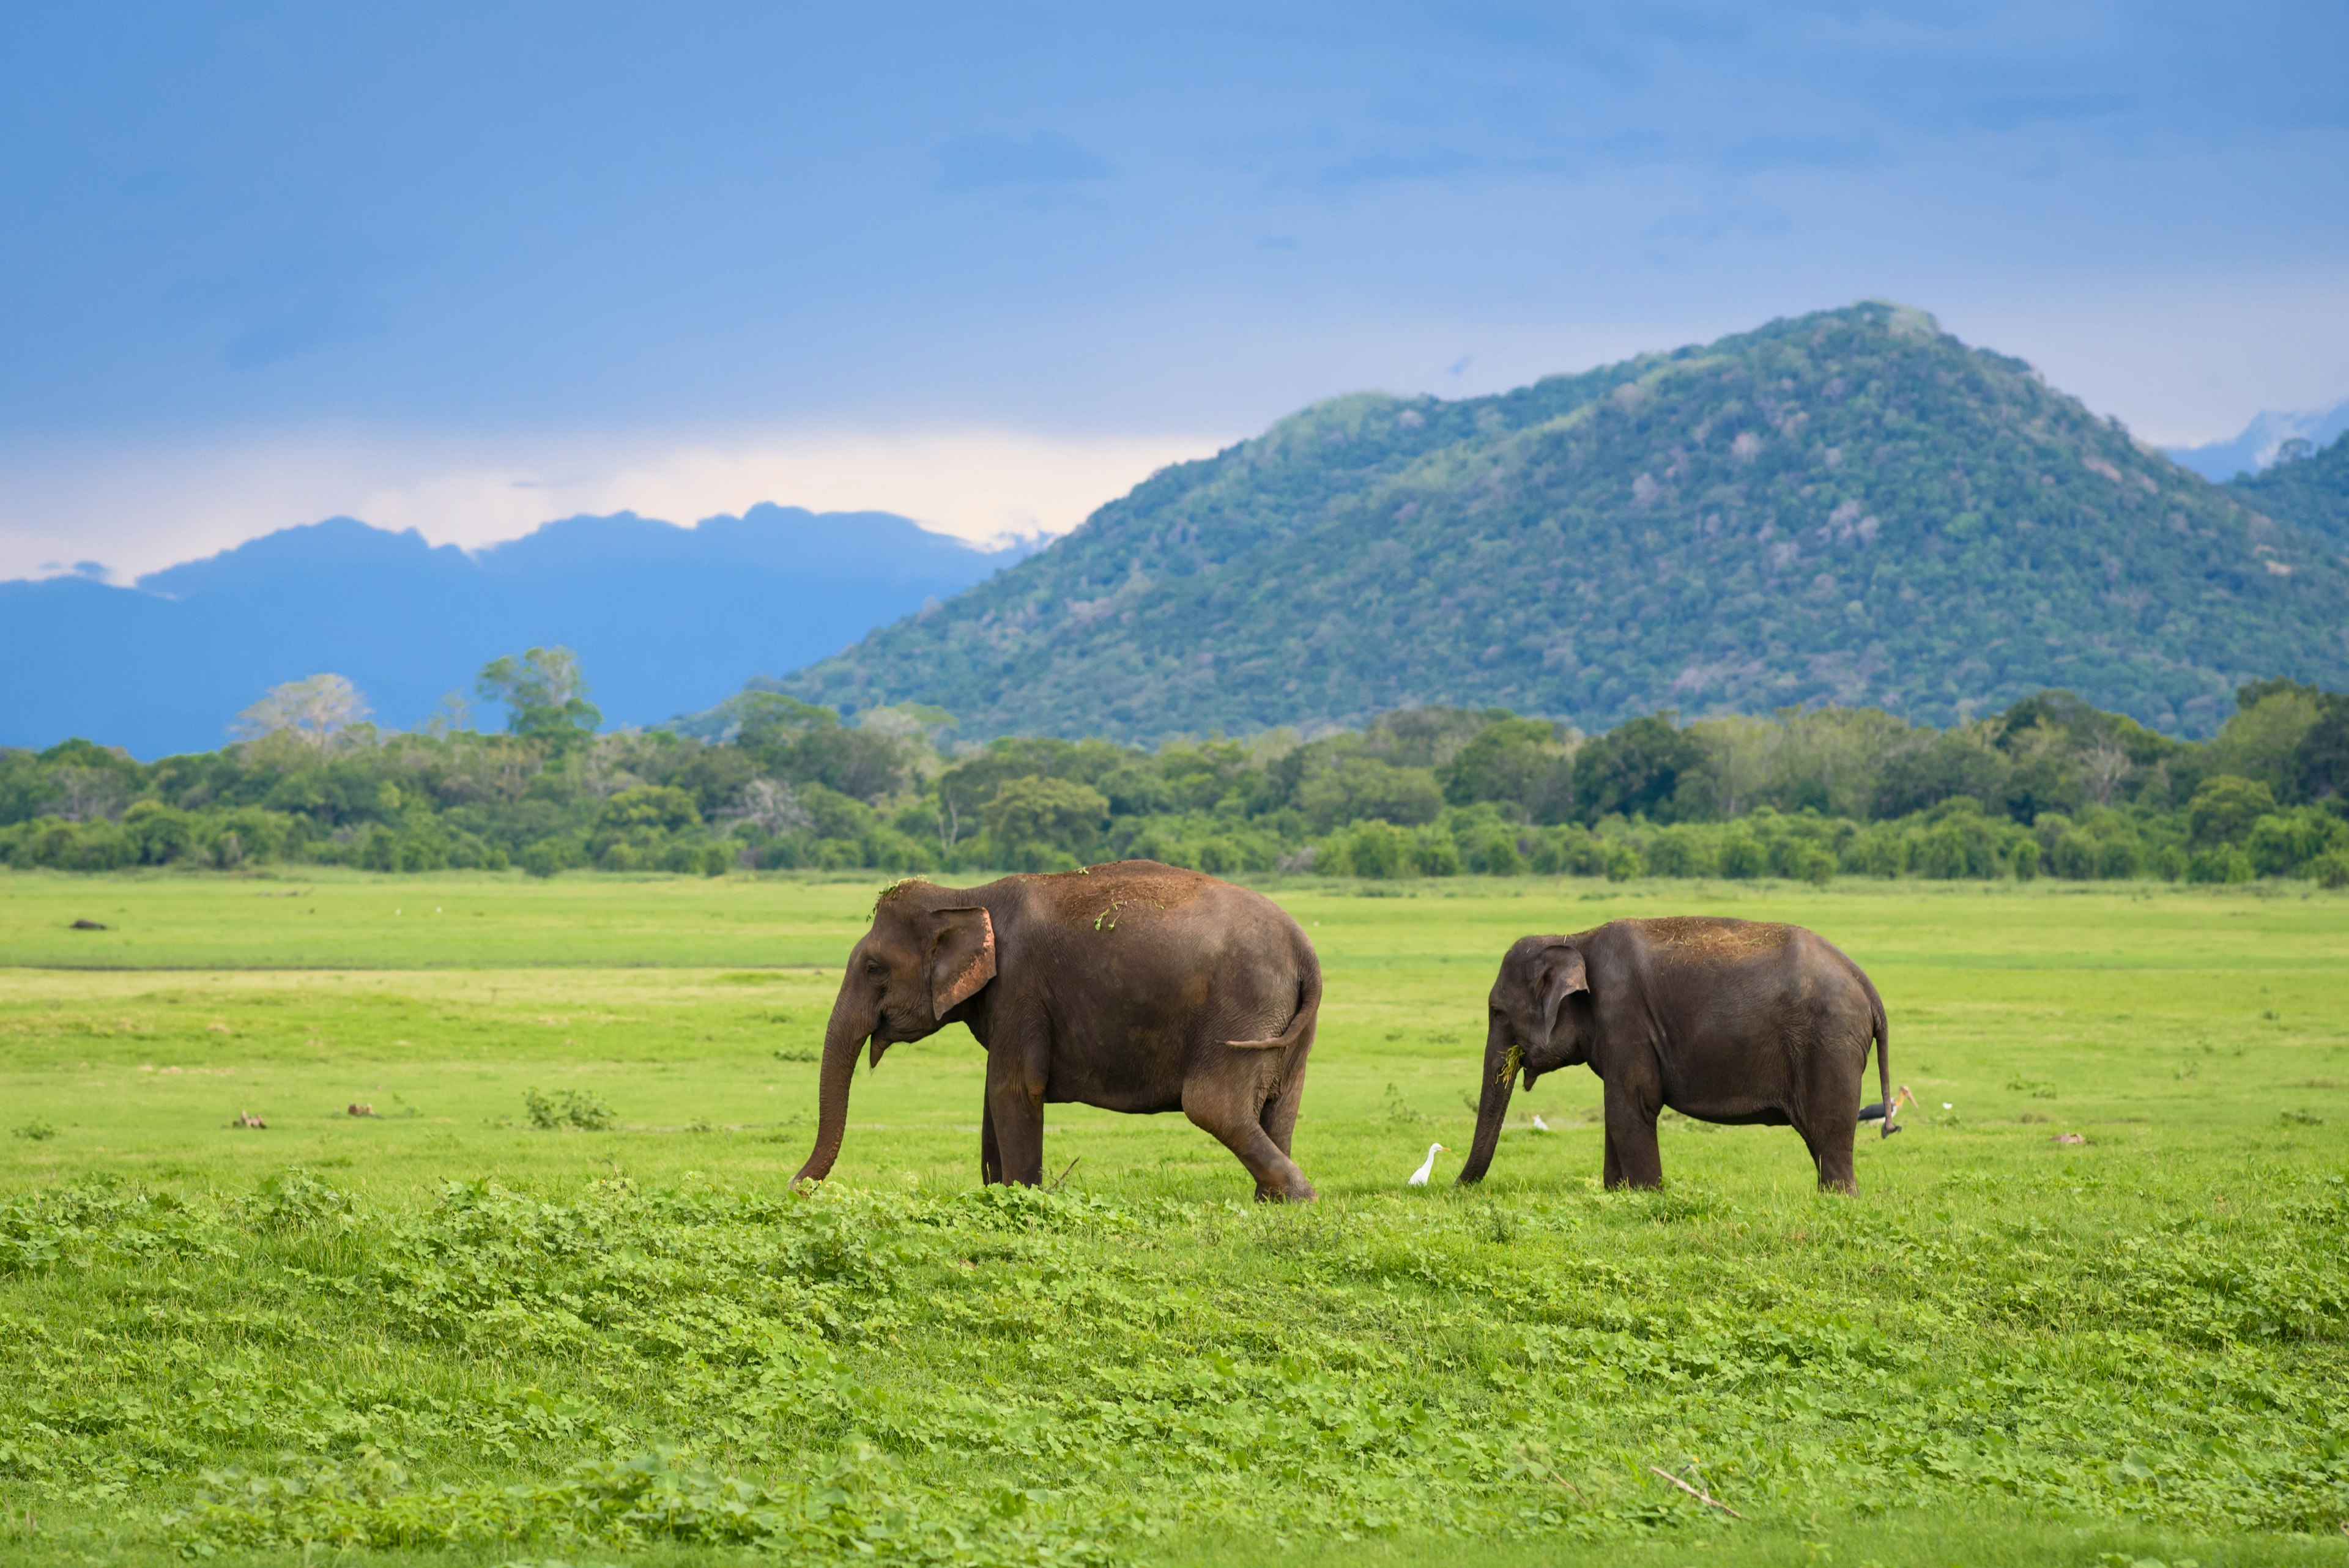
(1497, 1083)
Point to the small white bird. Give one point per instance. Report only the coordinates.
(1539, 1125)
(1419, 1177)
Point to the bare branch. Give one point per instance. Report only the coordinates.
(1709, 1501)
(2104, 766)
(86, 794)
(768, 803)
(316, 709)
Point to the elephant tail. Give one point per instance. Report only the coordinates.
(1880, 1027)
(1309, 1007)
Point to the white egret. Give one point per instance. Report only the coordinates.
(1539, 1125)
(1419, 1177)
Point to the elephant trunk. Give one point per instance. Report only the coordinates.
(851, 1022)
(1501, 1064)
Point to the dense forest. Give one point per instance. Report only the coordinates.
(2051, 786)
(2307, 487)
(1851, 508)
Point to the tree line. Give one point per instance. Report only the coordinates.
(2049, 787)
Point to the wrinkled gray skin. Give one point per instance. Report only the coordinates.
(1724, 1020)
(1134, 986)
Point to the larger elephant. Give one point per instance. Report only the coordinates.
(1134, 986)
(1724, 1020)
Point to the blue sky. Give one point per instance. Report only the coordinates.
(466, 267)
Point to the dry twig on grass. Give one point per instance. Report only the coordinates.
(1702, 1497)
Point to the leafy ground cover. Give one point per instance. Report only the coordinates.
(446, 1333)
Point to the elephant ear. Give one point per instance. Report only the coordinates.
(1562, 975)
(962, 957)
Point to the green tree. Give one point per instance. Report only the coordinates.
(863, 763)
(163, 833)
(1634, 769)
(965, 789)
(1934, 767)
(1425, 737)
(1519, 761)
(1202, 772)
(2044, 773)
(663, 807)
(1355, 789)
(757, 719)
(2320, 767)
(77, 780)
(1955, 840)
(1374, 849)
(545, 696)
(1740, 753)
(805, 744)
(2281, 844)
(2263, 740)
(1054, 812)
(1830, 759)
(2224, 808)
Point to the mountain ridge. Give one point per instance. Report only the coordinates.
(666, 618)
(2255, 449)
(1846, 506)
(2308, 490)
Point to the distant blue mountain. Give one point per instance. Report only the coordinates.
(2256, 448)
(664, 619)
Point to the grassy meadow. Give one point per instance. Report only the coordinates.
(2092, 1306)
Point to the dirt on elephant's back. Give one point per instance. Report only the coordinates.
(1102, 895)
(1700, 936)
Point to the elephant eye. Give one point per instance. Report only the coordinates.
(875, 968)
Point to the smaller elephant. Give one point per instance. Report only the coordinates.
(1730, 1021)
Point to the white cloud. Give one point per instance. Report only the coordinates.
(139, 508)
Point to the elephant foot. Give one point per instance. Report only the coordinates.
(1303, 1192)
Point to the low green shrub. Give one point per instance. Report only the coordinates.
(571, 1108)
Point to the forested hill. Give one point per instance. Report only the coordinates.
(1851, 507)
(2308, 490)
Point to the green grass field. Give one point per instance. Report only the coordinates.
(441, 1331)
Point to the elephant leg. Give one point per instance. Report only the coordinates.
(990, 1157)
(1612, 1173)
(1830, 1147)
(1014, 1119)
(1836, 1173)
(1632, 1138)
(1831, 1071)
(1225, 1106)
